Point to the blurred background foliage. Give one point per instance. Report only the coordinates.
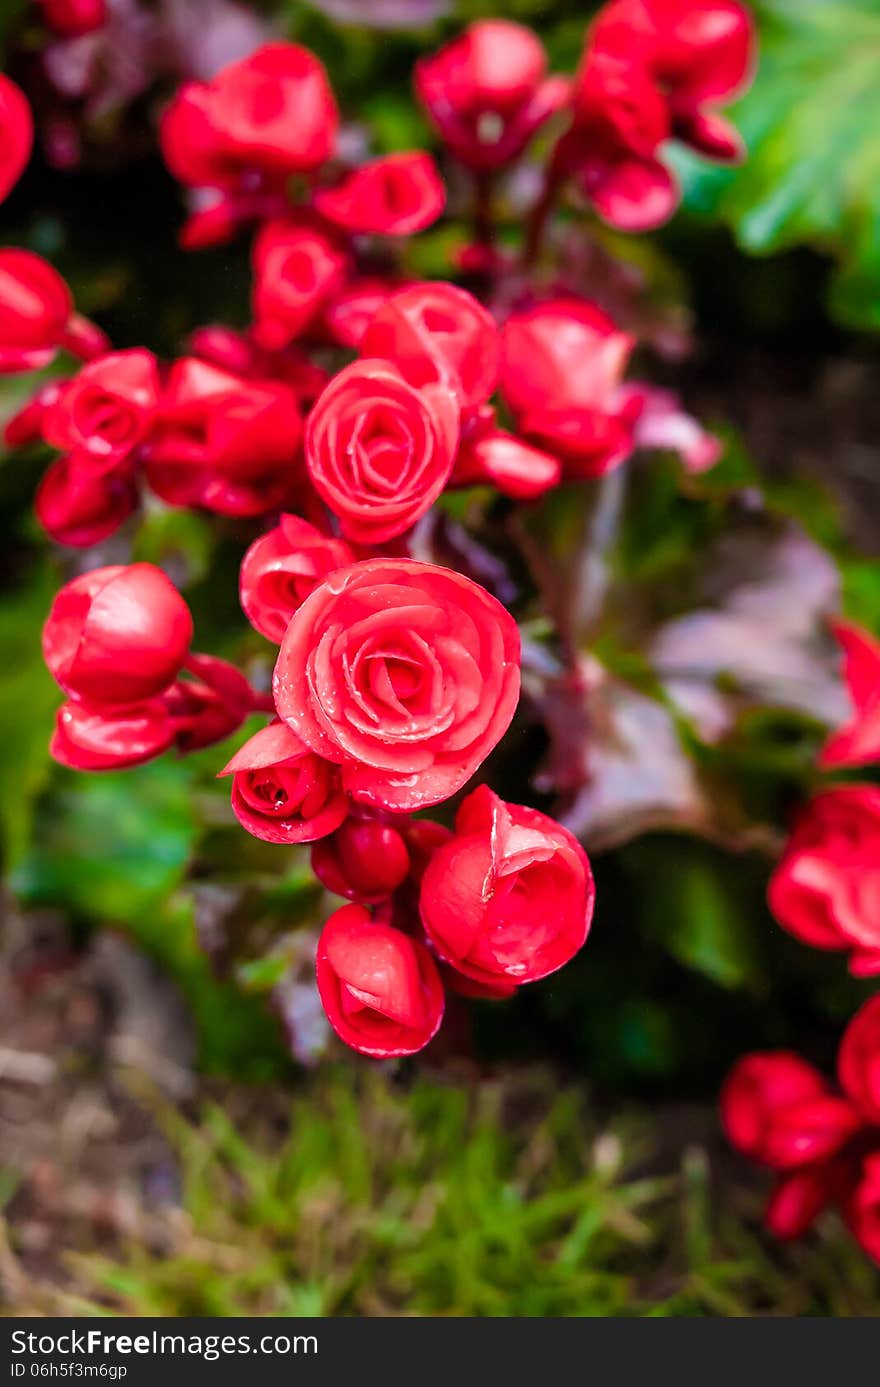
(772, 271)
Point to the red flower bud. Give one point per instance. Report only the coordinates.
(296, 267)
(281, 791)
(223, 443)
(380, 988)
(487, 94)
(826, 889)
(858, 743)
(438, 333)
(117, 635)
(510, 896)
(858, 1060)
(365, 860)
(16, 135)
(88, 738)
(272, 113)
(380, 451)
(73, 18)
(810, 1131)
(107, 409)
(394, 196)
(35, 305)
(405, 673)
(758, 1088)
(281, 568)
(77, 506)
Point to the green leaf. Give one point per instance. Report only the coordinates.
(811, 123)
(28, 699)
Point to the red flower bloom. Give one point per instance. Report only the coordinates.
(226, 444)
(16, 135)
(858, 1060)
(405, 673)
(510, 896)
(35, 305)
(107, 409)
(281, 568)
(394, 196)
(89, 738)
(437, 333)
(73, 18)
(620, 121)
(380, 451)
(699, 52)
(366, 859)
(758, 1089)
(117, 635)
(858, 743)
(78, 506)
(272, 113)
(798, 1199)
(826, 889)
(380, 988)
(296, 267)
(281, 791)
(862, 1207)
(561, 369)
(487, 92)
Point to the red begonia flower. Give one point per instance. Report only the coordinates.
(379, 451)
(510, 896)
(380, 988)
(397, 195)
(758, 1088)
(89, 738)
(858, 1060)
(281, 568)
(79, 506)
(858, 743)
(297, 265)
(281, 791)
(405, 673)
(117, 635)
(107, 409)
(366, 859)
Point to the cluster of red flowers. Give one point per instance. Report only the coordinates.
(826, 892)
(779, 1110)
(354, 399)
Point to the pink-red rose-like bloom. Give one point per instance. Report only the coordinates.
(78, 506)
(107, 409)
(487, 92)
(281, 568)
(397, 195)
(271, 114)
(858, 1060)
(379, 451)
(826, 889)
(224, 443)
(117, 635)
(510, 896)
(379, 987)
(90, 738)
(562, 366)
(16, 134)
(757, 1090)
(297, 265)
(348, 312)
(438, 334)
(281, 791)
(366, 859)
(404, 673)
(858, 743)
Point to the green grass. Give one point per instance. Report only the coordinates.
(367, 1198)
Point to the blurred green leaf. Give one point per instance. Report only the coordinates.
(27, 702)
(811, 123)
